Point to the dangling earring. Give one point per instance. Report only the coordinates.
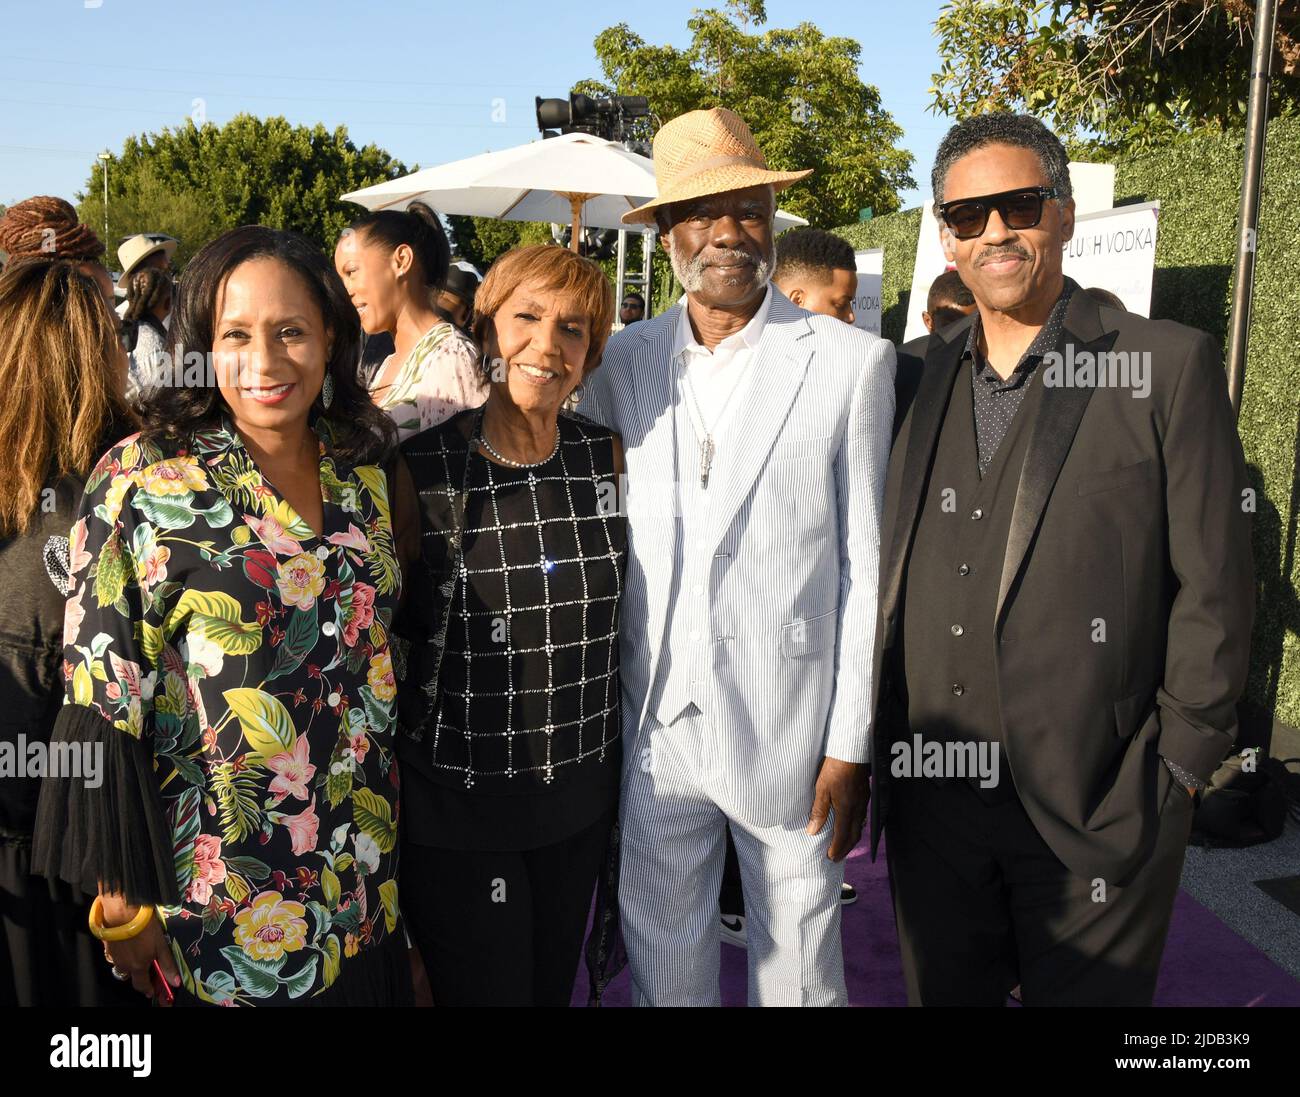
(574, 398)
(327, 391)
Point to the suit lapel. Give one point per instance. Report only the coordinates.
(928, 409)
(654, 467)
(1060, 411)
(651, 372)
(780, 362)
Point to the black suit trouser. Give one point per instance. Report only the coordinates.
(503, 928)
(982, 903)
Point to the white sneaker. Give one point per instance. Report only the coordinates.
(732, 928)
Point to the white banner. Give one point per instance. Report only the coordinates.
(1116, 250)
(866, 302)
(930, 263)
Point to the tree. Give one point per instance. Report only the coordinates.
(798, 90)
(195, 182)
(1122, 75)
(480, 240)
(146, 204)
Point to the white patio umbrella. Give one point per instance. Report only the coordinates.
(575, 177)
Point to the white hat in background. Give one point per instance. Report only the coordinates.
(136, 249)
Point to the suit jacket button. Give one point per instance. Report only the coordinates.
(958, 689)
(977, 514)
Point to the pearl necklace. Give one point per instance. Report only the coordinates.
(482, 439)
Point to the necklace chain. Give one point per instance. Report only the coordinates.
(705, 435)
(482, 437)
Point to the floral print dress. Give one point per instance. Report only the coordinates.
(208, 619)
(439, 378)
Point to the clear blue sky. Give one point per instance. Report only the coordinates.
(419, 79)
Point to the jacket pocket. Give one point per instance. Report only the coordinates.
(1094, 482)
(1132, 713)
(808, 636)
(802, 449)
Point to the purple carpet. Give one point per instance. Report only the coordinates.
(1205, 962)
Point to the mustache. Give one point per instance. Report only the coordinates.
(722, 257)
(690, 272)
(993, 254)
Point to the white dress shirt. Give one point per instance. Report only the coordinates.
(716, 378)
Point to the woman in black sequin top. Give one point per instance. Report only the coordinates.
(510, 701)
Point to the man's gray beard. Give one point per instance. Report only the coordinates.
(690, 273)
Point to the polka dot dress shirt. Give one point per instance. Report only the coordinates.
(996, 400)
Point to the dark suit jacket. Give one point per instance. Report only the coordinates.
(1129, 511)
(907, 375)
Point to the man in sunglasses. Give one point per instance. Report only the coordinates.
(632, 309)
(1066, 605)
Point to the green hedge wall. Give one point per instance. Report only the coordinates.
(1198, 184)
(896, 233)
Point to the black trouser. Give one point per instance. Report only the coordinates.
(982, 903)
(502, 929)
(731, 896)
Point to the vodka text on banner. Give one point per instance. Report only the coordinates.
(866, 302)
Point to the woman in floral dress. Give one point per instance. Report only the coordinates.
(393, 262)
(235, 571)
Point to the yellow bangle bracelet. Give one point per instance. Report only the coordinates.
(117, 933)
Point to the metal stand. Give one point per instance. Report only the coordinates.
(642, 281)
(1252, 177)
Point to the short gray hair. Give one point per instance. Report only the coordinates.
(1003, 128)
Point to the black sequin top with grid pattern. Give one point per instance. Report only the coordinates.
(526, 570)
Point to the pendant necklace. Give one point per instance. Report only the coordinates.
(707, 447)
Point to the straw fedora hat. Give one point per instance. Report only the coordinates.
(707, 152)
(136, 249)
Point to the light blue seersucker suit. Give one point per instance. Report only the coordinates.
(759, 594)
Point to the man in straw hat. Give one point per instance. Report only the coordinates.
(756, 436)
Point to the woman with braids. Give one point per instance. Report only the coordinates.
(45, 227)
(61, 373)
(393, 264)
(236, 567)
(148, 301)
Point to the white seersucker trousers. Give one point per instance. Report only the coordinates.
(675, 807)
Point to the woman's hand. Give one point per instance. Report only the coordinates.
(419, 979)
(135, 956)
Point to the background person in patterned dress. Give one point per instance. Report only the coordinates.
(393, 263)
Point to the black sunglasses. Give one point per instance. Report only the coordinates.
(1019, 209)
